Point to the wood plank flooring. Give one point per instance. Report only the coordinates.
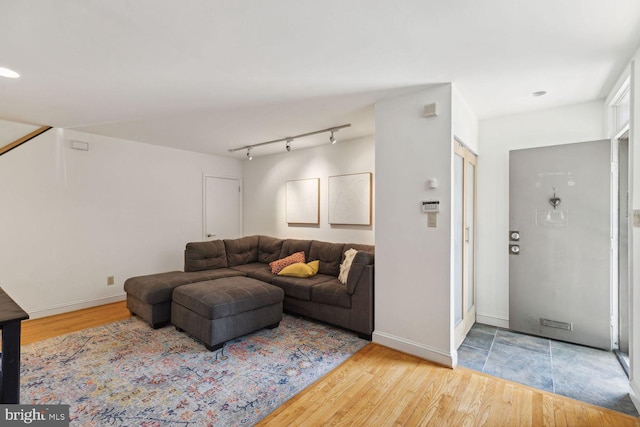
(60, 324)
(379, 386)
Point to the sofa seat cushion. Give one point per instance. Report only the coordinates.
(216, 299)
(246, 268)
(332, 293)
(256, 270)
(158, 288)
(298, 287)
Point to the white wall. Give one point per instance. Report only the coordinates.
(464, 121)
(11, 131)
(574, 123)
(71, 218)
(264, 189)
(413, 262)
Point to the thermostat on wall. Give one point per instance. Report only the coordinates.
(431, 206)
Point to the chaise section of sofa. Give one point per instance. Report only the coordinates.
(150, 296)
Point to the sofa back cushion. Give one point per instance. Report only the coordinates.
(242, 251)
(199, 256)
(359, 247)
(269, 249)
(329, 254)
(291, 246)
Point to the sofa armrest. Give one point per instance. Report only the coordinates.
(362, 303)
(361, 261)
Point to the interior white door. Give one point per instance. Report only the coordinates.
(559, 242)
(222, 208)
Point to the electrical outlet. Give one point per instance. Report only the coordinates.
(110, 280)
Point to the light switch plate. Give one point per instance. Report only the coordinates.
(636, 217)
(432, 219)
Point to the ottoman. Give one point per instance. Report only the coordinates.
(218, 310)
(149, 296)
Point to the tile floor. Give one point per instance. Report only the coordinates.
(582, 373)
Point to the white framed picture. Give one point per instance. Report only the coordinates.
(350, 199)
(303, 201)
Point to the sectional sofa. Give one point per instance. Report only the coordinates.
(323, 297)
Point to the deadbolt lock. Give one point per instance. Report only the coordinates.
(514, 235)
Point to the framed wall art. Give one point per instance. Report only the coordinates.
(350, 199)
(303, 201)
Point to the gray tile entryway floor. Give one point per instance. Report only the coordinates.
(582, 373)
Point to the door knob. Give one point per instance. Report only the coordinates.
(211, 235)
(514, 249)
(514, 235)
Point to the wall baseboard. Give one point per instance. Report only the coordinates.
(65, 308)
(414, 348)
(634, 395)
(487, 319)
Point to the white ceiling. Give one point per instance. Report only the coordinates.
(209, 75)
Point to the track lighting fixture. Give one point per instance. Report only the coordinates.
(290, 139)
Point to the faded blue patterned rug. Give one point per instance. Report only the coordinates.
(127, 374)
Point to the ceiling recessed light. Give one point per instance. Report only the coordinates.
(539, 93)
(5, 72)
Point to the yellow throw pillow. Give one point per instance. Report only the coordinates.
(301, 269)
(315, 266)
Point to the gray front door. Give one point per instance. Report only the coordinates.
(559, 261)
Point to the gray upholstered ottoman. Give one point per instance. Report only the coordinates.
(149, 296)
(216, 311)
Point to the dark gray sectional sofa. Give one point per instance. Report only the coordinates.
(322, 297)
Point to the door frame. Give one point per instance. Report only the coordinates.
(615, 241)
(468, 316)
(204, 202)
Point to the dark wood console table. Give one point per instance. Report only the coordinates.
(11, 316)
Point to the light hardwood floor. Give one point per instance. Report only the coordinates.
(382, 387)
(60, 324)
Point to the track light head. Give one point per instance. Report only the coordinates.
(290, 139)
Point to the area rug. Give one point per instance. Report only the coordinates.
(125, 373)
